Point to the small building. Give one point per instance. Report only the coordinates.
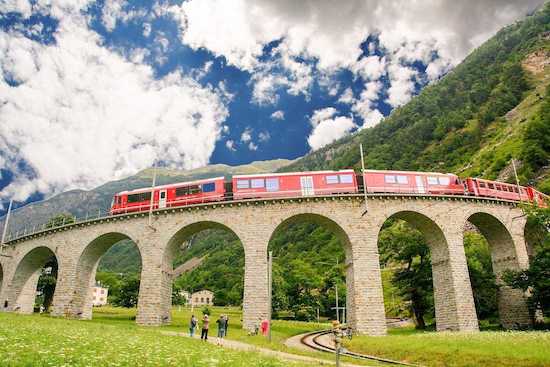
(99, 295)
(202, 298)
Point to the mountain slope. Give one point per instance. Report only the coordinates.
(472, 121)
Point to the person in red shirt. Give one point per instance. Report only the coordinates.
(264, 327)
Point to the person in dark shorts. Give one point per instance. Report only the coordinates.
(221, 328)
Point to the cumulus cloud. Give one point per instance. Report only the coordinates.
(278, 115)
(81, 114)
(402, 84)
(333, 31)
(264, 136)
(252, 146)
(328, 128)
(246, 136)
(230, 144)
(346, 97)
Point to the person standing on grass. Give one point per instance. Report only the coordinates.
(204, 331)
(192, 326)
(226, 320)
(221, 328)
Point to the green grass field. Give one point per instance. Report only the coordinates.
(43, 341)
(487, 348)
(113, 339)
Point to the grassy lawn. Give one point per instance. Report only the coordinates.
(487, 348)
(43, 341)
(282, 330)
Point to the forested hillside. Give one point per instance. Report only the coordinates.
(491, 108)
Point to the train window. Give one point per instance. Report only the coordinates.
(257, 183)
(332, 179)
(243, 184)
(347, 179)
(402, 180)
(432, 181)
(209, 187)
(163, 194)
(491, 186)
(195, 189)
(182, 191)
(389, 179)
(272, 184)
(444, 181)
(137, 198)
(482, 184)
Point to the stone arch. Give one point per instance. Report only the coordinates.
(182, 234)
(512, 308)
(344, 239)
(86, 268)
(453, 299)
(25, 279)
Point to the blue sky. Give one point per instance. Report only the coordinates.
(93, 91)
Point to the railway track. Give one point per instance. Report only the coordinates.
(313, 340)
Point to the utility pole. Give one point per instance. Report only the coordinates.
(152, 196)
(517, 179)
(363, 176)
(336, 288)
(269, 289)
(6, 223)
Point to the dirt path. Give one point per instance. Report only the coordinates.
(233, 344)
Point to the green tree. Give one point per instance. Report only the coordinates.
(129, 292)
(406, 249)
(46, 284)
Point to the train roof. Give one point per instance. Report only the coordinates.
(146, 189)
(293, 173)
(408, 172)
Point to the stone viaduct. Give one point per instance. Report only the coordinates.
(78, 248)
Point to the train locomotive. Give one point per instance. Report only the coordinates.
(318, 183)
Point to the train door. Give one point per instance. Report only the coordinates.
(162, 199)
(306, 183)
(421, 189)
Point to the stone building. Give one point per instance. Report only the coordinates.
(99, 295)
(202, 298)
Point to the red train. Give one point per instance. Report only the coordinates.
(318, 183)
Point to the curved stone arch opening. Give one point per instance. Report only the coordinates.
(334, 266)
(23, 287)
(453, 300)
(512, 308)
(86, 270)
(174, 265)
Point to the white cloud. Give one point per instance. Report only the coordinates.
(264, 136)
(322, 114)
(402, 84)
(346, 97)
(146, 29)
(113, 11)
(332, 31)
(364, 105)
(16, 6)
(370, 68)
(278, 115)
(329, 130)
(252, 146)
(83, 114)
(246, 136)
(230, 144)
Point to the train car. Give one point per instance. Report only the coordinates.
(166, 196)
(538, 198)
(294, 184)
(495, 189)
(411, 182)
